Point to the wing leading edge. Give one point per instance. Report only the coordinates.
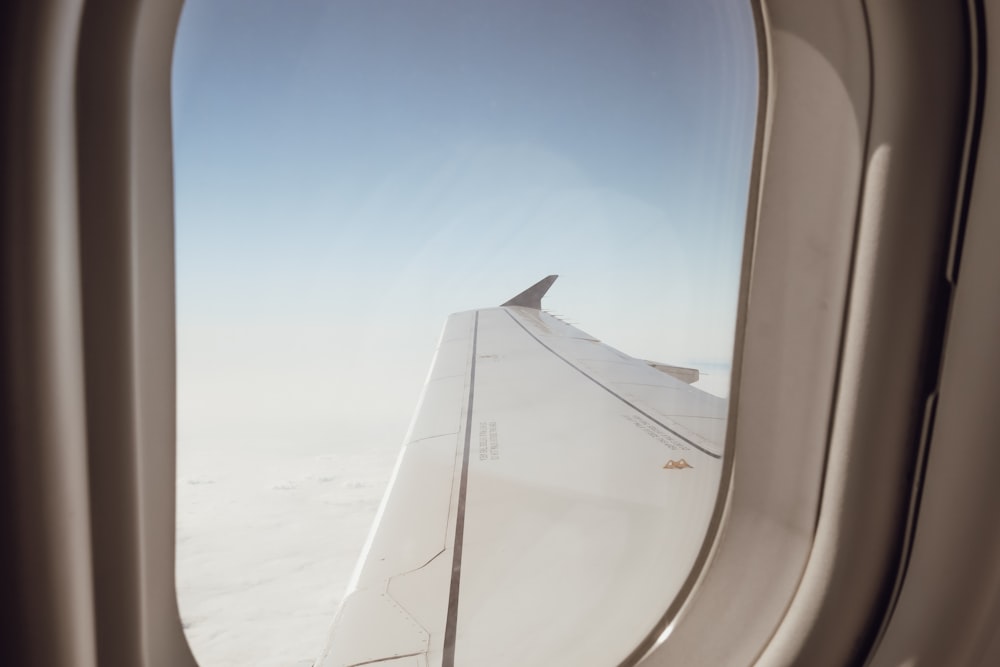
(549, 484)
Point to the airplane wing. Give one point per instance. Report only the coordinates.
(547, 507)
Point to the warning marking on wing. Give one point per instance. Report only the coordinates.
(680, 463)
(489, 445)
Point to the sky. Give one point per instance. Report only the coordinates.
(348, 173)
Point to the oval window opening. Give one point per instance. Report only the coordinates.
(350, 178)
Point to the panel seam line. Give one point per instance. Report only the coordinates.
(451, 622)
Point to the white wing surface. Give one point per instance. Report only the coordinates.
(547, 507)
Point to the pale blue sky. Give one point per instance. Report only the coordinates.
(349, 173)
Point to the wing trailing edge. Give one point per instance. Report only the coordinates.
(682, 373)
(532, 297)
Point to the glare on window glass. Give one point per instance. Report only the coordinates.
(348, 174)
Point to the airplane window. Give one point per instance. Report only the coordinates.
(348, 174)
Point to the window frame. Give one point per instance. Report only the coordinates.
(88, 341)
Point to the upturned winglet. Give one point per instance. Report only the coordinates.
(532, 297)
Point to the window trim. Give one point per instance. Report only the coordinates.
(772, 598)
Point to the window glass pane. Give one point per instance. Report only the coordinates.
(350, 173)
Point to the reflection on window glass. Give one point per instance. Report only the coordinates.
(350, 173)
